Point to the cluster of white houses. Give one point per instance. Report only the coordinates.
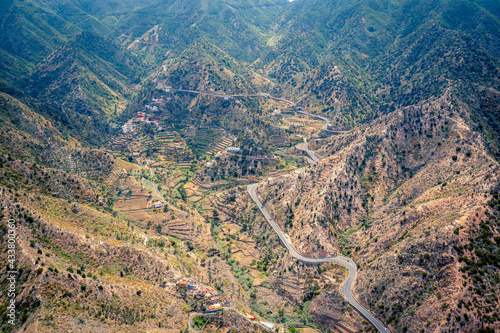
(212, 300)
(142, 117)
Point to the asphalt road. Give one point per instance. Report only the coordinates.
(231, 307)
(319, 117)
(347, 262)
(197, 314)
(155, 187)
(326, 127)
(236, 95)
(312, 159)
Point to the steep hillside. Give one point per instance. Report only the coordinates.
(239, 28)
(205, 67)
(57, 261)
(85, 83)
(395, 196)
(380, 55)
(32, 30)
(130, 130)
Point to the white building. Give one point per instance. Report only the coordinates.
(267, 325)
(127, 128)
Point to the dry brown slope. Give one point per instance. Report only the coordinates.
(390, 196)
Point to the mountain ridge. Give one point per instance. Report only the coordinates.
(130, 192)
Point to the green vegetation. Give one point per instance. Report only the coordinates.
(200, 321)
(72, 74)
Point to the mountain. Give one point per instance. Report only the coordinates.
(237, 27)
(84, 83)
(130, 130)
(77, 65)
(399, 196)
(390, 53)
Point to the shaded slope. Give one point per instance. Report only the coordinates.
(84, 83)
(387, 54)
(238, 28)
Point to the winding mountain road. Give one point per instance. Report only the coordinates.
(347, 262)
(214, 94)
(194, 314)
(155, 188)
(327, 127)
(231, 307)
(326, 120)
(311, 159)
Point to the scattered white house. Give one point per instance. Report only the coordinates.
(233, 149)
(267, 325)
(127, 128)
(276, 112)
(157, 204)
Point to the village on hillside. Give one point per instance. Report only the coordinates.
(211, 300)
